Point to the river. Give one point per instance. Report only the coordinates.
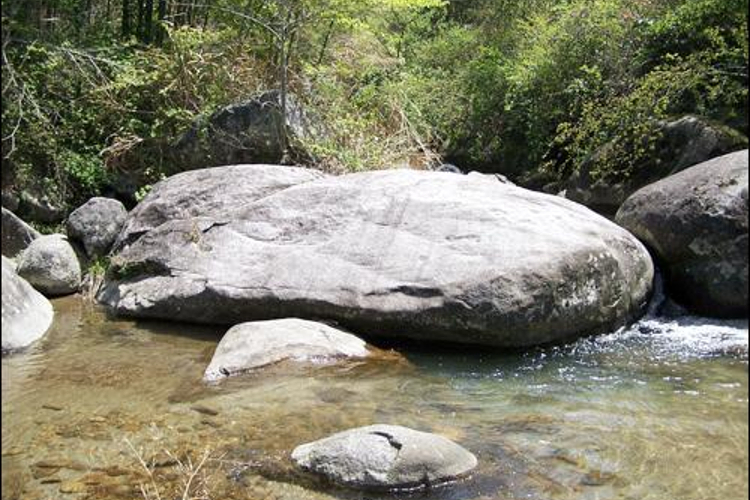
(106, 408)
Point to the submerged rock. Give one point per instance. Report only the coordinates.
(696, 222)
(250, 346)
(27, 314)
(51, 265)
(17, 235)
(400, 253)
(96, 224)
(385, 457)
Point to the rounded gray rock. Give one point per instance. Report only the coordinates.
(26, 313)
(399, 253)
(51, 265)
(96, 224)
(253, 345)
(696, 222)
(385, 457)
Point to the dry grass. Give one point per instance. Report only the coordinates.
(193, 477)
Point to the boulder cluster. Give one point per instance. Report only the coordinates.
(294, 261)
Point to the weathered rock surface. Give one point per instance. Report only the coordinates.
(244, 132)
(417, 254)
(51, 265)
(385, 457)
(696, 222)
(35, 205)
(253, 345)
(212, 192)
(27, 314)
(96, 224)
(17, 235)
(683, 143)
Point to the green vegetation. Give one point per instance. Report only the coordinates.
(95, 90)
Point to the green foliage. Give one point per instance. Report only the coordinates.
(99, 266)
(706, 76)
(499, 85)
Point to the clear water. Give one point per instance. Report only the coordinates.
(656, 412)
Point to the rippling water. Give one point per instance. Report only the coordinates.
(658, 411)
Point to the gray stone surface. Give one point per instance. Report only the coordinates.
(696, 222)
(35, 205)
(17, 235)
(402, 253)
(210, 192)
(96, 224)
(385, 457)
(27, 314)
(51, 265)
(254, 345)
(244, 132)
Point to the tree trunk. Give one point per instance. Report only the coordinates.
(325, 42)
(139, 25)
(282, 97)
(206, 14)
(126, 25)
(148, 20)
(162, 15)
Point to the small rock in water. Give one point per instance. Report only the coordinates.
(205, 410)
(385, 457)
(257, 344)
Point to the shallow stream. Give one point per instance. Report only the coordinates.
(110, 409)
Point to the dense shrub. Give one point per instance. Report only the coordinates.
(527, 88)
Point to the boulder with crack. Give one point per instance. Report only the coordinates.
(385, 457)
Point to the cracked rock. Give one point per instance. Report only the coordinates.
(385, 457)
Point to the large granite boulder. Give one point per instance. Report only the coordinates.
(696, 222)
(680, 144)
(96, 224)
(51, 265)
(17, 235)
(385, 457)
(257, 344)
(249, 131)
(401, 253)
(27, 314)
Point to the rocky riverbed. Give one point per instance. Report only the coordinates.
(623, 415)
